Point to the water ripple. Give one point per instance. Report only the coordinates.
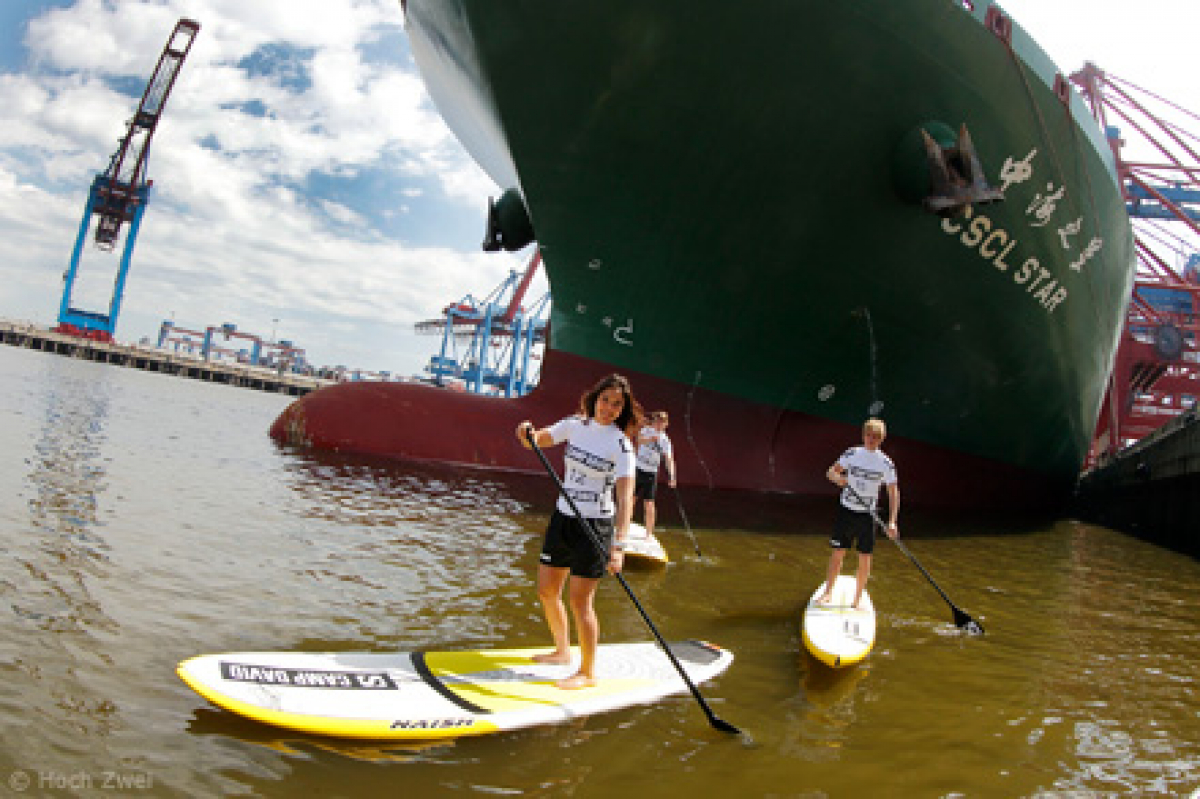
(147, 519)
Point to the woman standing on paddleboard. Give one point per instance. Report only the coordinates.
(599, 461)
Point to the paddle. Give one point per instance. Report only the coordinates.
(688, 527)
(962, 619)
(723, 726)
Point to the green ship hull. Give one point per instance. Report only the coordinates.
(733, 200)
(720, 199)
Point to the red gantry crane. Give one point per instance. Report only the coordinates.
(1156, 375)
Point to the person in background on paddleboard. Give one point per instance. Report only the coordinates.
(653, 447)
(860, 471)
(599, 461)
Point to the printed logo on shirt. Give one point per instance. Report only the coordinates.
(866, 474)
(590, 497)
(589, 460)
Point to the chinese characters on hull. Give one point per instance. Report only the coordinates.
(999, 246)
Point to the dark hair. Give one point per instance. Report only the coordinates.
(630, 418)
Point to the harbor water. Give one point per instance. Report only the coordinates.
(147, 518)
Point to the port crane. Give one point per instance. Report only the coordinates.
(1156, 375)
(118, 196)
(287, 355)
(498, 338)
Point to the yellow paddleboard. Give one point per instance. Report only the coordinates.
(433, 695)
(837, 634)
(643, 547)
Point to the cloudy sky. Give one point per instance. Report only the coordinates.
(304, 183)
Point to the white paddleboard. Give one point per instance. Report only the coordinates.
(836, 633)
(434, 695)
(643, 546)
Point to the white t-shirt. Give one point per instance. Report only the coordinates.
(650, 454)
(596, 457)
(866, 471)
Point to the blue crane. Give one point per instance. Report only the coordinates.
(499, 334)
(119, 194)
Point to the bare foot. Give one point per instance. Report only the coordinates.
(553, 658)
(575, 682)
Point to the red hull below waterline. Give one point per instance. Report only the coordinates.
(721, 442)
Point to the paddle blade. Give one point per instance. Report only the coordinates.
(965, 623)
(723, 726)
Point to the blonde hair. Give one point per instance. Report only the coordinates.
(875, 426)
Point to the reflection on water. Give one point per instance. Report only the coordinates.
(58, 617)
(148, 519)
(1134, 628)
(409, 541)
(66, 474)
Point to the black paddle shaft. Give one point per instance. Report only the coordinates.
(686, 525)
(723, 726)
(962, 619)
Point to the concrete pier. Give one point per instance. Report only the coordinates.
(152, 359)
(1152, 489)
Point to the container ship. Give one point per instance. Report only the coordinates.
(778, 219)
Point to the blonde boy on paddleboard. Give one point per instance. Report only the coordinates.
(860, 471)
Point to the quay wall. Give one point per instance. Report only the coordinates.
(1150, 490)
(152, 359)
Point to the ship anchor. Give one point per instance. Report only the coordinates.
(956, 175)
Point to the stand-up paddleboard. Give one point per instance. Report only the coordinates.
(641, 546)
(836, 633)
(433, 695)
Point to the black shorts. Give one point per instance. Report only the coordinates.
(851, 526)
(568, 545)
(644, 484)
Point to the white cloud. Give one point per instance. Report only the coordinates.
(241, 227)
(272, 97)
(1148, 43)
